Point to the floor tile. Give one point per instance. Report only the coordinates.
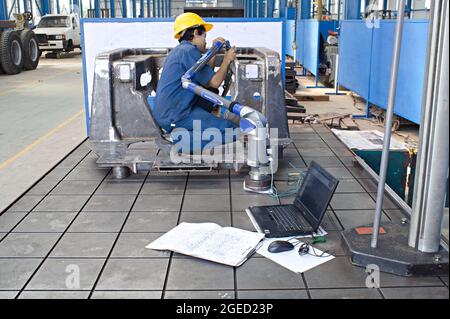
(362, 293)
(242, 221)
(66, 274)
(359, 172)
(349, 186)
(9, 220)
(112, 187)
(75, 188)
(241, 202)
(118, 203)
(42, 188)
(389, 280)
(272, 294)
(197, 274)
(161, 187)
(47, 222)
(416, 293)
(132, 245)
(324, 161)
(337, 273)
(387, 202)
(221, 218)
(8, 294)
(25, 204)
(126, 294)
(79, 245)
(27, 245)
(62, 203)
(98, 222)
(151, 222)
(445, 280)
(206, 203)
(310, 144)
(57, 174)
(202, 187)
(14, 272)
(370, 185)
(30, 294)
(87, 174)
(339, 172)
(352, 201)
(198, 294)
(138, 274)
(354, 218)
(310, 152)
(166, 203)
(261, 273)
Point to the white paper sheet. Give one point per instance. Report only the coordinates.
(366, 140)
(225, 245)
(291, 259)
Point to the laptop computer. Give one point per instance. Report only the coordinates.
(304, 216)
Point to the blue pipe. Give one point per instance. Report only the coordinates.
(112, 8)
(3, 11)
(97, 8)
(260, 9)
(124, 8)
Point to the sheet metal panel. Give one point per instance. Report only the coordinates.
(355, 46)
(408, 101)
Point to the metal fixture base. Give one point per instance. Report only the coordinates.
(261, 185)
(393, 254)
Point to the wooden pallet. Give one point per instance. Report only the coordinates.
(312, 98)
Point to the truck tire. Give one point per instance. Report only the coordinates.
(11, 53)
(30, 47)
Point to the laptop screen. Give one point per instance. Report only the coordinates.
(315, 194)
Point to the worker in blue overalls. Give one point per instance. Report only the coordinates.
(176, 107)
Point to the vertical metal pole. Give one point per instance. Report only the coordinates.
(163, 8)
(97, 8)
(153, 8)
(169, 8)
(339, 11)
(388, 121)
(433, 162)
(159, 8)
(148, 8)
(133, 2)
(319, 10)
(141, 8)
(3, 10)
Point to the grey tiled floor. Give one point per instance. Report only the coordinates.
(78, 219)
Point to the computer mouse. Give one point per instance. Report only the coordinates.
(280, 246)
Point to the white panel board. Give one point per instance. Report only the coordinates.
(101, 36)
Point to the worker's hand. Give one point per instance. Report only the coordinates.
(230, 55)
(219, 39)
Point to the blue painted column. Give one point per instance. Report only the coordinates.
(124, 8)
(45, 7)
(270, 7)
(352, 9)
(97, 8)
(306, 10)
(112, 8)
(282, 8)
(260, 8)
(3, 12)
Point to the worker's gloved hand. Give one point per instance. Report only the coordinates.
(219, 39)
(230, 55)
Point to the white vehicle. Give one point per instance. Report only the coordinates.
(58, 32)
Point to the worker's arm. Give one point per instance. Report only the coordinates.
(220, 75)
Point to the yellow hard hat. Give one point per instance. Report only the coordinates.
(188, 20)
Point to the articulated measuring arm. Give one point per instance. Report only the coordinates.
(252, 123)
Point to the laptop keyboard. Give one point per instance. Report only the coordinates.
(288, 218)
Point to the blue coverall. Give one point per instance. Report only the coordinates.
(177, 107)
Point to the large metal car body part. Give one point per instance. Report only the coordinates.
(123, 132)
